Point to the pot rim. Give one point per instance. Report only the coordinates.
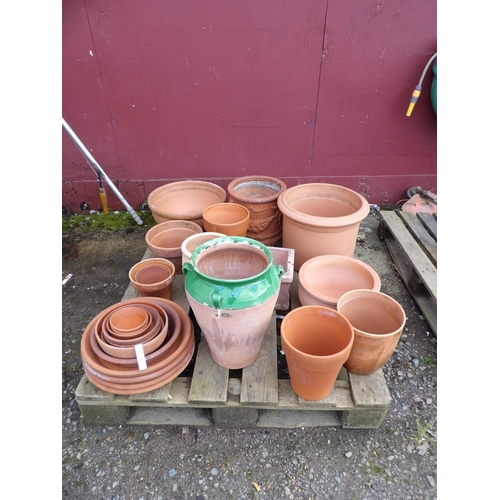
(313, 261)
(233, 186)
(329, 311)
(239, 240)
(181, 185)
(382, 296)
(322, 188)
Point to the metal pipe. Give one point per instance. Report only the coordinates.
(91, 159)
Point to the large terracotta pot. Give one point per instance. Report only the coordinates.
(323, 279)
(229, 219)
(165, 240)
(378, 321)
(153, 277)
(184, 200)
(321, 219)
(259, 193)
(232, 286)
(317, 341)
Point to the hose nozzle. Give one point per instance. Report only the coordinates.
(414, 97)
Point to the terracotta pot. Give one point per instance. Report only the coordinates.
(259, 194)
(229, 219)
(232, 286)
(190, 244)
(317, 341)
(129, 319)
(129, 381)
(165, 240)
(323, 279)
(184, 200)
(153, 277)
(321, 219)
(378, 321)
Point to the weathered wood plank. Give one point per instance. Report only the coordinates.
(417, 257)
(160, 395)
(426, 303)
(427, 242)
(430, 223)
(210, 380)
(370, 391)
(283, 419)
(145, 415)
(259, 383)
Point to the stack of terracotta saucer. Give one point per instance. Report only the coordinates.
(137, 345)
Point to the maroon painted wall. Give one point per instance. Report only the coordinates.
(217, 89)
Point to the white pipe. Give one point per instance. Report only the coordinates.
(90, 158)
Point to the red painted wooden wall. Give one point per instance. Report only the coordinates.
(307, 91)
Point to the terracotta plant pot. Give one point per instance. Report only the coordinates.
(321, 219)
(153, 277)
(165, 240)
(190, 244)
(378, 321)
(259, 193)
(317, 341)
(184, 200)
(232, 286)
(229, 219)
(129, 319)
(323, 279)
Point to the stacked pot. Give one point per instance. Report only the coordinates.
(137, 345)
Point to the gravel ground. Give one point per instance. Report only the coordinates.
(398, 460)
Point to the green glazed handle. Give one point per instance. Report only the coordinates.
(187, 267)
(217, 300)
(280, 271)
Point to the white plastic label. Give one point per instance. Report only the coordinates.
(141, 359)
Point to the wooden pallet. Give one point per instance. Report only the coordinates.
(253, 397)
(412, 243)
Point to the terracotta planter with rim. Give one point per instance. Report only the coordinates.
(317, 341)
(184, 200)
(378, 321)
(189, 245)
(153, 277)
(165, 240)
(321, 219)
(232, 286)
(229, 219)
(259, 194)
(323, 279)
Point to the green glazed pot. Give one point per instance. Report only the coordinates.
(232, 273)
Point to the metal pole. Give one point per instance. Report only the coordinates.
(90, 158)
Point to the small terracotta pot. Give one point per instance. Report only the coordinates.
(190, 244)
(165, 240)
(184, 200)
(317, 341)
(229, 219)
(323, 279)
(259, 193)
(153, 277)
(378, 321)
(321, 219)
(129, 319)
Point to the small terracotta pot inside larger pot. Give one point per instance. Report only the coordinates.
(378, 321)
(317, 341)
(153, 277)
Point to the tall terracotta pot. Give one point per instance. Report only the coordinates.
(321, 219)
(259, 193)
(378, 321)
(232, 286)
(317, 341)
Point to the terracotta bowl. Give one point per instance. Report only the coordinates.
(152, 330)
(153, 277)
(184, 200)
(324, 279)
(165, 240)
(129, 320)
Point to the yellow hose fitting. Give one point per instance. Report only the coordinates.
(414, 97)
(104, 200)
